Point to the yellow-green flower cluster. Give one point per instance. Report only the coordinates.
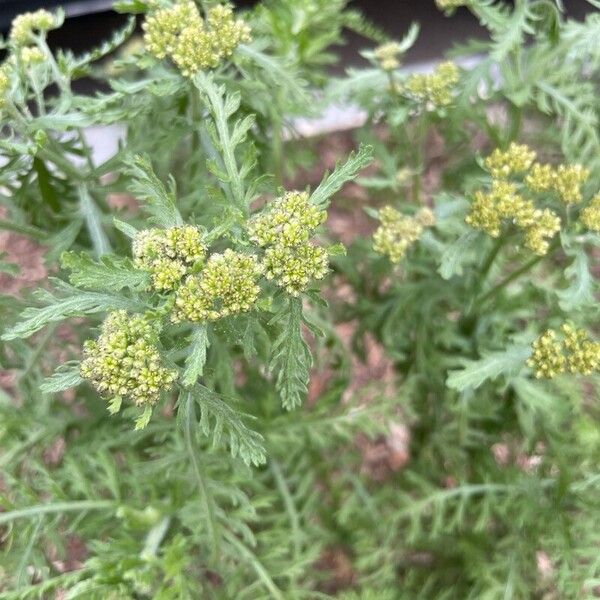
(227, 285)
(590, 215)
(565, 180)
(504, 204)
(168, 254)
(4, 83)
(293, 268)
(574, 353)
(435, 89)
(180, 33)
(504, 163)
(125, 361)
(450, 4)
(398, 232)
(31, 55)
(387, 55)
(24, 26)
(285, 229)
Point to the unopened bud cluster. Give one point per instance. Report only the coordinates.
(4, 83)
(284, 230)
(590, 215)
(227, 285)
(450, 4)
(24, 26)
(125, 361)
(491, 210)
(387, 55)
(193, 44)
(398, 232)
(434, 90)
(168, 254)
(564, 180)
(574, 353)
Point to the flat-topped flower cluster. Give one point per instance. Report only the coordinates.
(398, 232)
(506, 203)
(574, 353)
(191, 42)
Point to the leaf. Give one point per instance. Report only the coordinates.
(291, 359)
(217, 417)
(142, 421)
(196, 359)
(125, 228)
(114, 405)
(145, 185)
(77, 303)
(341, 174)
(111, 273)
(477, 372)
(580, 292)
(62, 379)
(93, 219)
(456, 254)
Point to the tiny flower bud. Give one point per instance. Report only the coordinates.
(590, 215)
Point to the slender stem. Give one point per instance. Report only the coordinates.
(198, 468)
(58, 507)
(509, 279)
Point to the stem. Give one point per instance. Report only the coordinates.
(509, 279)
(58, 507)
(198, 468)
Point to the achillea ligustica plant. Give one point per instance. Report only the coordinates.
(211, 398)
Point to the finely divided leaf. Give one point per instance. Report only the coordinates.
(196, 359)
(63, 379)
(218, 418)
(158, 201)
(341, 174)
(291, 359)
(456, 254)
(580, 292)
(110, 273)
(77, 303)
(476, 372)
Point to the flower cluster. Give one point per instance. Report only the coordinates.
(24, 26)
(4, 84)
(180, 33)
(227, 285)
(575, 353)
(31, 55)
(435, 89)
(285, 229)
(168, 254)
(564, 180)
(590, 215)
(450, 4)
(503, 202)
(125, 361)
(398, 232)
(387, 55)
(504, 163)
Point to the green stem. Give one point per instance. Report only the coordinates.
(58, 507)
(200, 475)
(508, 280)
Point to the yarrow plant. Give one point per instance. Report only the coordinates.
(237, 379)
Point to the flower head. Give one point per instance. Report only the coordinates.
(31, 55)
(590, 215)
(125, 361)
(568, 181)
(387, 55)
(564, 180)
(435, 89)
(293, 268)
(575, 353)
(448, 5)
(4, 83)
(168, 254)
(398, 232)
(227, 285)
(546, 224)
(503, 163)
(180, 33)
(24, 26)
(289, 221)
